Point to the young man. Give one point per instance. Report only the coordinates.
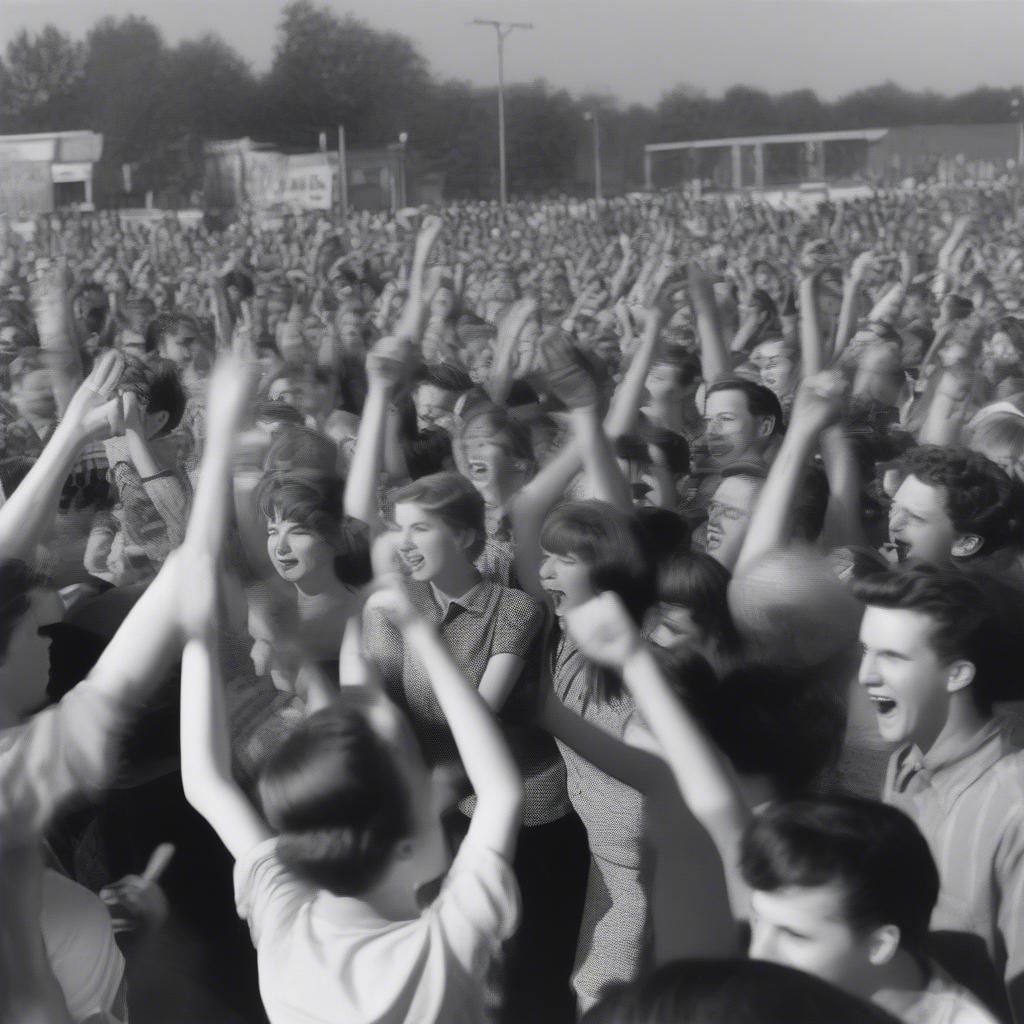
(844, 889)
(954, 507)
(935, 655)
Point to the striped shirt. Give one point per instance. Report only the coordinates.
(967, 797)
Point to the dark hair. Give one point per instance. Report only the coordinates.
(674, 447)
(453, 499)
(696, 581)
(166, 325)
(17, 581)
(811, 504)
(978, 493)
(166, 395)
(731, 992)
(278, 412)
(873, 852)
(429, 453)
(666, 531)
(684, 362)
(335, 795)
(966, 617)
(761, 401)
(495, 421)
(446, 377)
(781, 723)
(611, 543)
(315, 501)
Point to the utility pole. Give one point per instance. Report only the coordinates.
(591, 115)
(501, 30)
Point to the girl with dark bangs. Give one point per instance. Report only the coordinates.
(565, 557)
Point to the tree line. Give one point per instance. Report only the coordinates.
(156, 104)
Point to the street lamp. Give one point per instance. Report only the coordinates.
(591, 115)
(501, 30)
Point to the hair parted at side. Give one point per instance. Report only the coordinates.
(968, 624)
(336, 797)
(761, 401)
(453, 499)
(873, 852)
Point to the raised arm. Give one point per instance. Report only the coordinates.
(93, 412)
(851, 301)
(714, 355)
(482, 747)
(817, 405)
(606, 634)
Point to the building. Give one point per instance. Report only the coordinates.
(875, 156)
(47, 171)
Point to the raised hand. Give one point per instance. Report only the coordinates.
(819, 401)
(604, 631)
(95, 411)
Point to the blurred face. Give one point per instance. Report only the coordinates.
(1001, 453)
(805, 928)
(998, 356)
(672, 628)
(286, 390)
(733, 433)
(34, 395)
(349, 328)
(180, 347)
(729, 517)
(566, 580)
(299, 554)
(919, 525)
(903, 676)
(442, 304)
(491, 468)
(662, 382)
(8, 342)
(434, 407)
(25, 669)
(428, 545)
(777, 366)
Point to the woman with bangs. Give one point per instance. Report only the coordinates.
(565, 557)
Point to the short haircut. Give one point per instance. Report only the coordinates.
(873, 852)
(300, 448)
(731, 992)
(761, 401)
(967, 621)
(494, 423)
(337, 799)
(611, 543)
(278, 412)
(696, 581)
(446, 377)
(674, 447)
(785, 724)
(430, 452)
(1002, 429)
(684, 362)
(167, 325)
(453, 499)
(314, 500)
(166, 394)
(978, 494)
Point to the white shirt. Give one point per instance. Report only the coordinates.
(942, 1001)
(332, 958)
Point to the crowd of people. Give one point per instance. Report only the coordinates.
(597, 611)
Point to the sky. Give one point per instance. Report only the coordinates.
(633, 49)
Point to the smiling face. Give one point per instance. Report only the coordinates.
(428, 545)
(299, 554)
(919, 525)
(805, 928)
(567, 581)
(733, 433)
(906, 681)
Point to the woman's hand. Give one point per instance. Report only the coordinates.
(604, 631)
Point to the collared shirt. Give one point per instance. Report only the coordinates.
(487, 621)
(967, 797)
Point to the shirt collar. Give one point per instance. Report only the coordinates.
(474, 601)
(953, 765)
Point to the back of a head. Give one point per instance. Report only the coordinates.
(732, 992)
(337, 799)
(872, 852)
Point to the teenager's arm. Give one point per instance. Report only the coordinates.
(607, 635)
(482, 747)
(714, 355)
(363, 481)
(817, 405)
(851, 300)
(93, 412)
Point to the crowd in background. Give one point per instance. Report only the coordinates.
(571, 610)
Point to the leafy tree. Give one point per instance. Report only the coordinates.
(40, 81)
